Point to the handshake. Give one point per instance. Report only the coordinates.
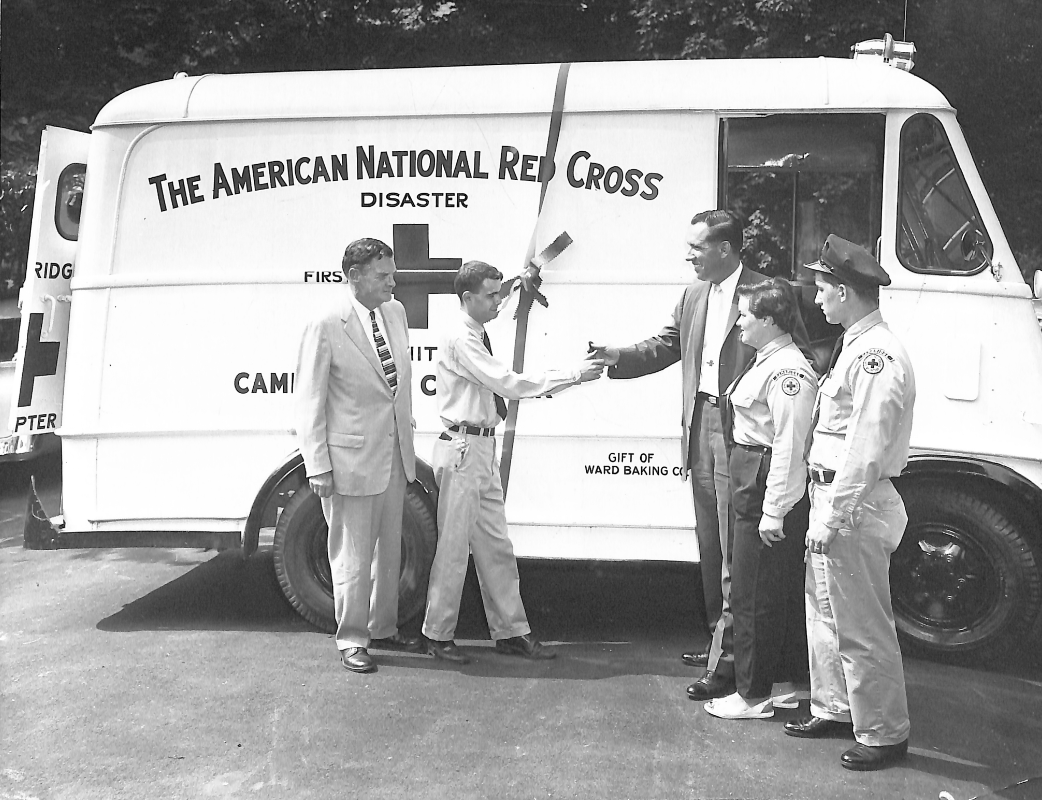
(598, 357)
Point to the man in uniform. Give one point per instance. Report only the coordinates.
(354, 428)
(703, 337)
(472, 385)
(859, 443)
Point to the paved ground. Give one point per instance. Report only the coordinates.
(183, 674)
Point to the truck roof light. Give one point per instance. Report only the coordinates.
(894, 53)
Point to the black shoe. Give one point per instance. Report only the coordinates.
(696, 658)
(407, 644)
(711, 685)
(864, 757)
(357, 659)
(446, 651)
(816, 727)
(524, 646)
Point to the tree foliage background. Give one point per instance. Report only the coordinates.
(62, 60)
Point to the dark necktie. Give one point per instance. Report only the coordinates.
(726, 409)
(836, 350)
(384, 352)
(501, 404)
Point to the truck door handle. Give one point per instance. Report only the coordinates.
(53, 302)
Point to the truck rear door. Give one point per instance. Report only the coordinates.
(36, 393)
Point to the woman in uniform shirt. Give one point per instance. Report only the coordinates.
(772, 404)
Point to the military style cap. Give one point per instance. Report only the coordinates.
(849, 263)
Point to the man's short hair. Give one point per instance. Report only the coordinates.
(773, 298)
(472, 274)
(362, 252)
(724, 226)
(869, 293)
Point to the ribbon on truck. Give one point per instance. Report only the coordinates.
(528, 282)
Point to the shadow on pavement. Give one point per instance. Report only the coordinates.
(604, 620)
(225, 593)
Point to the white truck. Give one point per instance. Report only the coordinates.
(216, 209)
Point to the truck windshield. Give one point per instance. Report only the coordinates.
(935, 209)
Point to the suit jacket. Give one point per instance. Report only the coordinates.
(346, 413)
(681, 340)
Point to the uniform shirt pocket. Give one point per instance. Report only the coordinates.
(829, 415)
(344, 439)
(743, 399)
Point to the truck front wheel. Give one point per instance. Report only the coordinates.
(965, 577)
(302, 562)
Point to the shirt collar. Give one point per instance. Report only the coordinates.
(728, 285)
(361, 310)
(773, 347)
(472, 323)
(868, 321)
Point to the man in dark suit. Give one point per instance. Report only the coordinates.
(703, 337)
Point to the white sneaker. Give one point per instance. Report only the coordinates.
(786, 695)
(734, 706)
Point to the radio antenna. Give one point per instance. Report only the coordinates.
(904, 34)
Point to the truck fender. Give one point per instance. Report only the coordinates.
(288, 477)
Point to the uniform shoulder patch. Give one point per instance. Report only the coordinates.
(873, 361)
(789, 380)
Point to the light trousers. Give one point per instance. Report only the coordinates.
(472, 520)
(365, 553)
(856, 673)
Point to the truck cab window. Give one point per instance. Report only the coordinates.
(796, 178)
(935, 209)
(68, 201)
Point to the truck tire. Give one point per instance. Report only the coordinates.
(965, 578)
(302, 561)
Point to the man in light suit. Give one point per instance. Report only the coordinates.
(355, 433)
(703, 337)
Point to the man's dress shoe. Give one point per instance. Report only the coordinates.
(447, 651)
(864, 757)
(407, 644)
(357, 659)
(709, 686)
(696, 658)
(816, 727)
(524, 646)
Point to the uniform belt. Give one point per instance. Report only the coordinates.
(822, 475)
(754, 448)
(712, 399)
(472, 430)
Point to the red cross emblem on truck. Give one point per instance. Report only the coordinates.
(419, 276)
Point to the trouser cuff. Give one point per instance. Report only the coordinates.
(821, 713)
(510, 633)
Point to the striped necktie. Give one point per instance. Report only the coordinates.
(384, 352)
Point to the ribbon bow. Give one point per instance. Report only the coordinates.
(529, 280)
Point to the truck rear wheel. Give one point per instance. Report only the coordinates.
(965, 577)
(302, 561)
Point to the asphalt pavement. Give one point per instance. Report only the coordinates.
(157, 673)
